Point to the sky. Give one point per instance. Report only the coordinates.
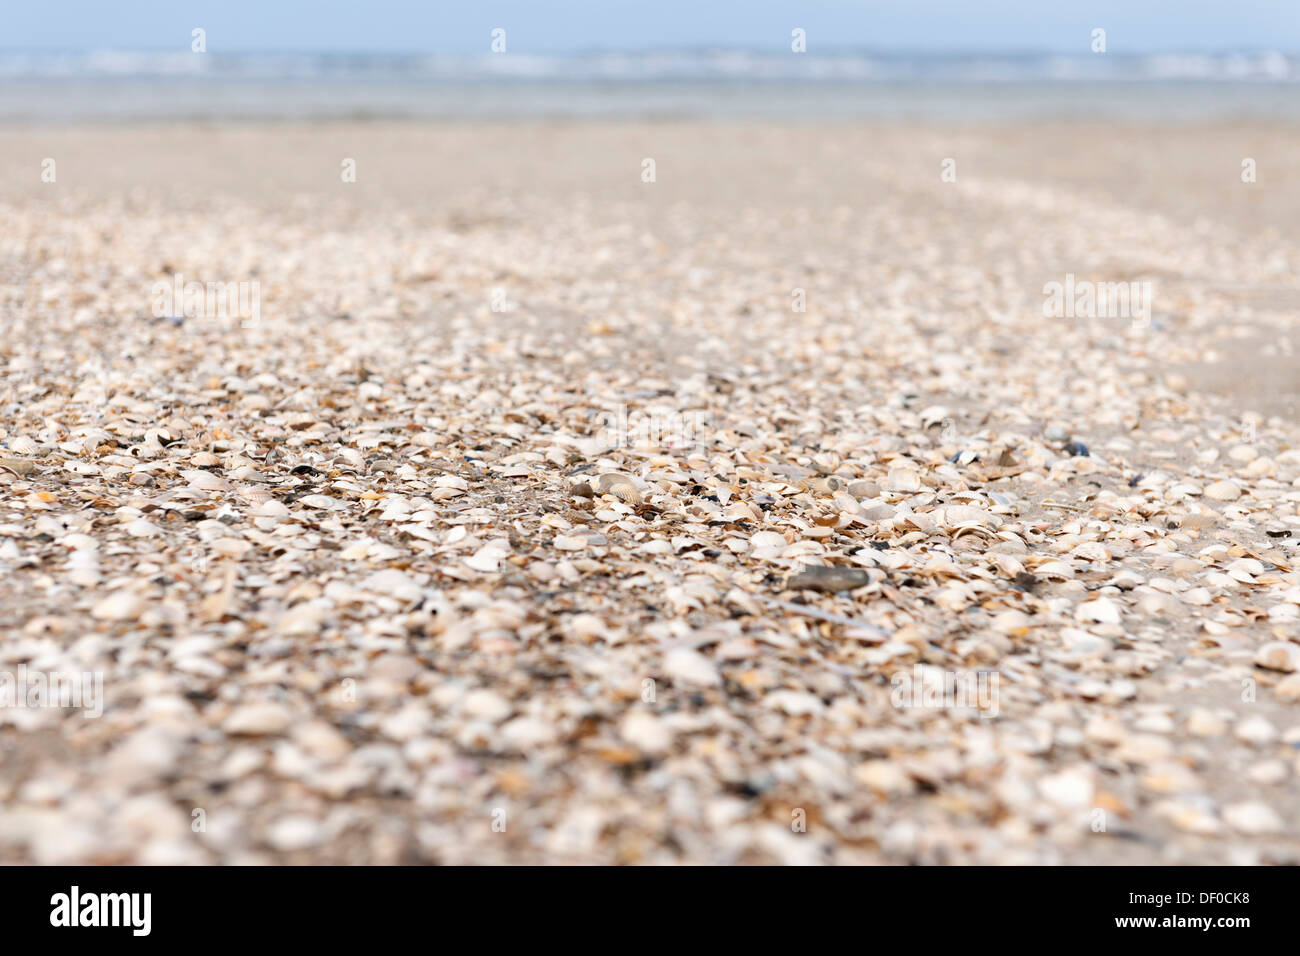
(560, 26)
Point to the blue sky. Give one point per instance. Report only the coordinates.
(552, 26)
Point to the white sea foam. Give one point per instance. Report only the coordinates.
(660, 65)
(119, 85)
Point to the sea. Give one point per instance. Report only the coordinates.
(117, 86)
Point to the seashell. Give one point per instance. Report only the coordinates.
(256, 496)
(863, 489)
(1223, 491)
(880, 512)
(119, 606)
(920, 521)
(1054, 569)
(620, 486)
(324, 502)
(205, 480)
(488, 558)
(934, 415)
(1093, 551)
(964, 457)
(950, 516)
(689, 667)
(1245, 570)
(204, 459)
(1008, 565)
(24, 447)
(794, 703)
(906, 480)
(828, 485)
(1012, 623)
(231, 547)
(1279, 656)
(258, 720)
(741, 511)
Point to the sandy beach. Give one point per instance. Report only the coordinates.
(476, 517)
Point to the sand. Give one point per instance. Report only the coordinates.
(358, 592)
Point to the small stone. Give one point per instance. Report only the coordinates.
(828, 579)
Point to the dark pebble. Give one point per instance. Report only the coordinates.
(828, 579)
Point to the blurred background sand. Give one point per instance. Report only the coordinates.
(806, 180)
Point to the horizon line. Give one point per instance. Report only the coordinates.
(652, 50)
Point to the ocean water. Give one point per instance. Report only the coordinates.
(115, 86)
